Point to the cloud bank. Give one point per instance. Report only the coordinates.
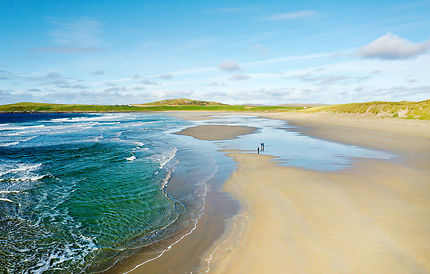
(229, 66)
(166, 76)
(74, 36)
(390, 46)
(238, 77)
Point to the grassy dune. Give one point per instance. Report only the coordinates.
(43, 107)
(404, 109)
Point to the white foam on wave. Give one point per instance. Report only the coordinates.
(194, 222)
(27, 139)
(9, 201)
(9, 144)
(97, 139)
(17, 142)
(166, 182)
(131, 158)
(139, 144)
(47, 130)
(20, 172)
(12, 134)
(69, 252)
(88, 119)
(9, 191)
(167, 157)
(25, 178)
(21, 127)
(139, 149)
(24, 167)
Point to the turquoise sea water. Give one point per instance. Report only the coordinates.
(79, 192)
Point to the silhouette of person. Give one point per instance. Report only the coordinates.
(258, 150)
(262, 147)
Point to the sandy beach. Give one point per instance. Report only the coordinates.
(370, 218)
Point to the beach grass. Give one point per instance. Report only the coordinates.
(404, 109)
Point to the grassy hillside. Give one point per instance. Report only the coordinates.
(181, 102)
(43, 107)
(404, 109)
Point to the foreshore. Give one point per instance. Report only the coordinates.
(373, 217)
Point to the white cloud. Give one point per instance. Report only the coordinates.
(238, 77)
(260, 49)
(216, 84)
(98, 72)
(166, 76)
(67, 50)
(75, 36)
(390, 46)
(291, 15)
(82, 33)
(149, 83)
(229, 66)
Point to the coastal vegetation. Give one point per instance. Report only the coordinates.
(156, 106)
(379, 109)
(181, 102)
(404, 109)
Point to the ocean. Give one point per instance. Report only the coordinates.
(78, 192)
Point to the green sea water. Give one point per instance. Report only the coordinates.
(80, 192)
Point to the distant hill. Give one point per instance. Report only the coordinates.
(181, 102)
(403, 109)
(165, 105)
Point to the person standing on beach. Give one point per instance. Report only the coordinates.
(258, 150)
(262, 147)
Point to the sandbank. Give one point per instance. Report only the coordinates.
(217, 132)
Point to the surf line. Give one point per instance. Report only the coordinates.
(195, 221)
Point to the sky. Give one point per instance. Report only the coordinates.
(235, 52)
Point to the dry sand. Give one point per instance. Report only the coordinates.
(371, 218)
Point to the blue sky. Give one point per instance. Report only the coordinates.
(267, 52)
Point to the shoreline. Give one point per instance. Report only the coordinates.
(182, 252)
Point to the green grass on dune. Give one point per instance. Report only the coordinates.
(43, 107)
(404, 109)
